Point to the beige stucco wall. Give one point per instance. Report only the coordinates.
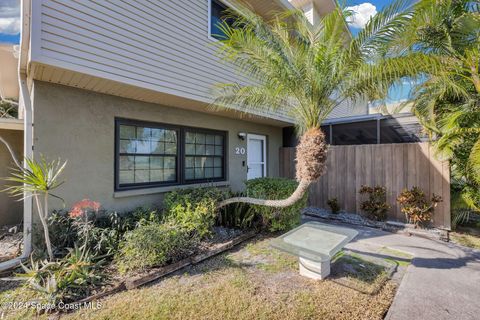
(78, 125)
(10, 209)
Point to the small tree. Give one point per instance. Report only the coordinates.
(37, 180)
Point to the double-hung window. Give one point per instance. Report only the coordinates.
(204, 155)
(151, 155)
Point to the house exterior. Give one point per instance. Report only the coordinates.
(122, 90)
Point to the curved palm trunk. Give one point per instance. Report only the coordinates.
(311, 157)
(296, 195)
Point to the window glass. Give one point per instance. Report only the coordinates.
(150, 155)
(217, 17)
(147, 155)
(204, 156)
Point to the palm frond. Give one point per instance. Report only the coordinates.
(35, 178)
(474, 161)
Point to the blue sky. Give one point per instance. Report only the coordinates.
(10, 21)
(9, 38)
(363, 10)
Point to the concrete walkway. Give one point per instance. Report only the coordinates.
(442, 282)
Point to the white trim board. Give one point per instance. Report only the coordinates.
(11, 124)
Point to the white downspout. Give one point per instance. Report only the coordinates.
(28, 153)
(25, 103)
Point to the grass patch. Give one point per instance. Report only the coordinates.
(401, 258)
(466, 240)
(20, 296)
(360, 269)
(365, 274)
(255, 282)
(269, 259)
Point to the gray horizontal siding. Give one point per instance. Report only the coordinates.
(163, 44)
(349, 109)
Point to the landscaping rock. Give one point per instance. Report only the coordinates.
(391, 226)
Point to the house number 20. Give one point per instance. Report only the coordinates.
(239, 150)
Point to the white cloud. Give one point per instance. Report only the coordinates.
(10, 16)
(361, 14)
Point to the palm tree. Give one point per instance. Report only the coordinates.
(448, 102)
(307, 71)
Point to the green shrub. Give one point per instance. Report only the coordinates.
(239, 215)
(105, 230)
(376, 206)
(193, 209)
(333, 204)
(154, 244)
(131, 219)
(197, 219)
(276, 219)
(192, 196)
(63, 232)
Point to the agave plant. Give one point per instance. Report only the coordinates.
(70, 278)
(39, 275)
(308, 70)
(37, 180)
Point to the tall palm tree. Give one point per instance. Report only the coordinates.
(307, 71)
(448, 102)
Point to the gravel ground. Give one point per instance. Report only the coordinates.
(10, 243)
(359, 220)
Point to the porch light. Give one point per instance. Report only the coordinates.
(242, 135)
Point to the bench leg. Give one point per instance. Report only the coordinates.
(314, 270)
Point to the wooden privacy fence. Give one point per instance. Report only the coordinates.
(394, 166)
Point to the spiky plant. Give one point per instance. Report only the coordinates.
(307, 71)
(37, 179)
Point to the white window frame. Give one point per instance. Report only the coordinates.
(210, 16)
(265, 156)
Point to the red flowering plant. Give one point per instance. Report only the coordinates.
(83, 213)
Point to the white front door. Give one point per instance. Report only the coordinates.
(256, 156)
